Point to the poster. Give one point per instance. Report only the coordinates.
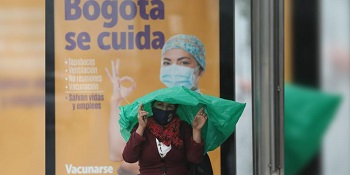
(90, 37)
(22, 87)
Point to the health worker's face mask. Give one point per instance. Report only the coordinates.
(175, 75)
(162, 117)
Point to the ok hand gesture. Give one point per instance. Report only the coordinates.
(119, 91)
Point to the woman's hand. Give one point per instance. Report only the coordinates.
(197, 124)
(119, 91)
(142, 118)
(199, 119)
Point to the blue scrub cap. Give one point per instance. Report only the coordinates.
(188, 43)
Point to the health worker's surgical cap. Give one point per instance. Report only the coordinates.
(188, 43)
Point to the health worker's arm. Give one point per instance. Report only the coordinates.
(119, 92)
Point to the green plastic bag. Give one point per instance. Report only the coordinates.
(222, 114)
(308, 113)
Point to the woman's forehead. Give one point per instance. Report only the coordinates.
(175, 54)
(164, 103)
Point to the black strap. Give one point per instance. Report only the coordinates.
(202, 168)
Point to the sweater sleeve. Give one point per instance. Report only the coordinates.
(133, 147)
(194, 150)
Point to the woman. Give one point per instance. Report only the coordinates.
(163, 144)
(182, 63)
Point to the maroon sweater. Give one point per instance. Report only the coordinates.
(144, 149)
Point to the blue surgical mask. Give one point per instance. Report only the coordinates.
(162, 117)
(175, 75)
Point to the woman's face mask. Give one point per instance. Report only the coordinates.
(162, 117)
(175, 75)
(163, 112)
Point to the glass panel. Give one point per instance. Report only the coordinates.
(243, 86)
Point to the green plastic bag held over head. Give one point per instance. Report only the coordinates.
(222, 114)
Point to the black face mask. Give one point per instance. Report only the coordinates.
(162, 117)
